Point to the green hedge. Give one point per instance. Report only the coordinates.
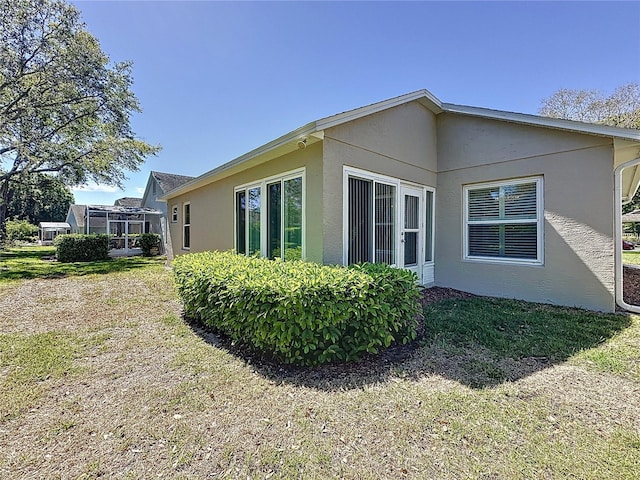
(147, 242)
(81, 248)
(298, 311)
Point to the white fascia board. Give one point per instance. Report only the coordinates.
(556, 123)
(423, 95)
(217, 173)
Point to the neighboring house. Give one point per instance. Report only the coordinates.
(158, 184)
(75, 218)
(128, 202)
(122, 224)
(48, 231)
(490, 202)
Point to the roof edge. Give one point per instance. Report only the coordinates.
(212, 175)
(431, 100)
(549, 122)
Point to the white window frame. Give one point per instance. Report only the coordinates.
(538, 221)
(174, 213)
(185, 225)
(376, 177)
(262, 185)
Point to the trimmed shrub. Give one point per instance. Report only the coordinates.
(21, 230)
(300, 312)
(81, 248)
(147, 242)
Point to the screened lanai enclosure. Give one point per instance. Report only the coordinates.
(123, 225)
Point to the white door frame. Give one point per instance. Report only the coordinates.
(424, 269)
(404, 232)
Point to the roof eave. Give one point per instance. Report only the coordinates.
(258, 154)
(555, 123)
(423, 96)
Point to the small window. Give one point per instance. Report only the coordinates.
(186, 226)
(503, 221)
(174, 214)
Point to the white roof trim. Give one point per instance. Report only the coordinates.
(535, 120)
(316, 130)
(216, 173)
(350, 115)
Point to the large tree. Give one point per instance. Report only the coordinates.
(43, 198)
(620, 109)
(64, 107)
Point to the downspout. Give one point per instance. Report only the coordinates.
(617, 208)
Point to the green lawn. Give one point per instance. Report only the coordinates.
(101, 377)
(631, 257)
(37, 262)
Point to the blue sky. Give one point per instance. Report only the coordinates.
(217, 79)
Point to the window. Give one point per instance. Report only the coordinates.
(174, 214)
(268, 217)
(504, 221)
(428, 225)
(186, 226)
(371, 221)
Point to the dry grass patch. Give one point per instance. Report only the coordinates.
(137, 393)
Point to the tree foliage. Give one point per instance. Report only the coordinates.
(64, 107)
(40, 198)
(620, 109)
(21, 230)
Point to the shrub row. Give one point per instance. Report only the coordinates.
(298, 311)
(149, 242)
(81, 248)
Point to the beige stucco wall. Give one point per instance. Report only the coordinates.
(578, 265)
(399, 142)
(212, 206)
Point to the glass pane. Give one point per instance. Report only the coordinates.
(253, 219)
(428, 228)
(411, 212)
(410, 248)
(187, 236)
(505, 241)
(241, 222)
(274, 216)
(293, 219)
(385, 223)
(521, 241)
(484, 240)
(484, 203)
(520, 201)
(360, 221)
(187, 214)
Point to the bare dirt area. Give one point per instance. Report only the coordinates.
(148, 396)
(631, 285)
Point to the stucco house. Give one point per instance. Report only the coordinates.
(158, 184)
(490, 202)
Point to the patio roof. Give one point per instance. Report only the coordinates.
(120, 209)
(54, 226)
